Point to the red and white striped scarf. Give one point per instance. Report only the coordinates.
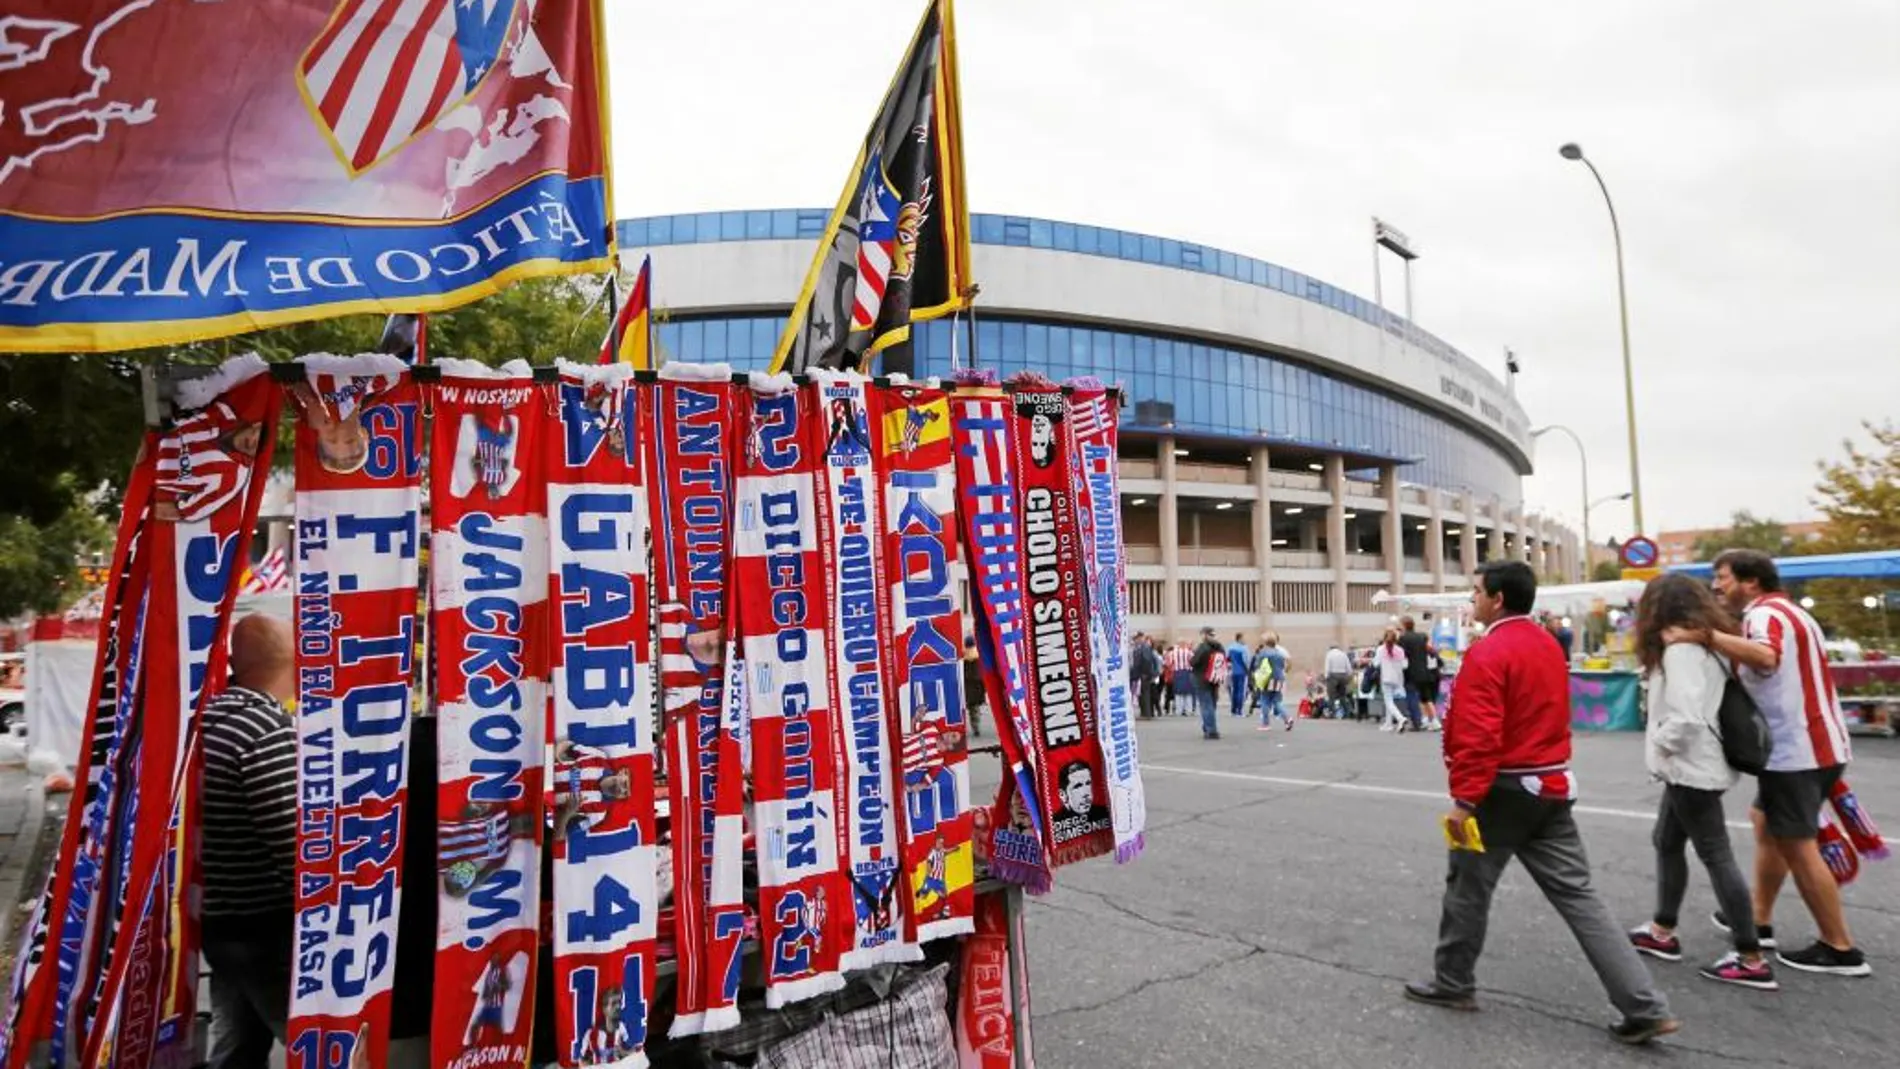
(847, 511)
(690, 436)
(1062, 695)
(60, 936)
(779, 609)
(1094, 419)
(357, 552)
(488, 559)
(922, 642)
(606, 857)
(210, 480)
(1009, 833)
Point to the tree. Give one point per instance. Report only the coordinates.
(1745, 531)
(70, 425)
(1606, 571)
(1859, 497)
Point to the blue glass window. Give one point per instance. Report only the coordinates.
(1170, 252)
(1131, 246)
(632, 233)
(1150, 250)
(812, 223)
(1191, 257)
(758, 225)
(784, 224)
(989, 229)
(732, 226)
(1064, 237)
(1226, 269)
(1015, 230)
(685, 229)
(1036, 341)
(1087, 239)
(1039, 236)
(660, 230)
(707, 226)
(715, 340)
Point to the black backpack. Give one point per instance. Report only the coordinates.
(1746, 742)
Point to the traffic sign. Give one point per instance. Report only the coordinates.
(1639, 552)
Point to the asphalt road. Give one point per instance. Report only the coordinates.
(1291, 884)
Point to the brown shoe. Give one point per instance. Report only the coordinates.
(1431, 994)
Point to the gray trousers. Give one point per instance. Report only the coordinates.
(1543, 835)
(1686, 816)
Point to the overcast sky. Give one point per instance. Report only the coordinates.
(1753, 147)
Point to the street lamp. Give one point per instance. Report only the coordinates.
(1572, 151)
(1583, 460)
(1624, 496)
(1870, 603)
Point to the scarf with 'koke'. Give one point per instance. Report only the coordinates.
(779, 611)
(1094, 418)
(488, 572)
(211, 470)
(690, 434)
(921, 640)
(1062, 689)
(850, 539)
(1008, 834)
(358, 519)
(601, 689)
(62, 933)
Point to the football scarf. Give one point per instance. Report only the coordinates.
(1094, 421)
(1009, 833)
(210, 476)
(849, 537)
(689, 490)
(357, 539)
(1858, 826)
(1062, 696)
(921, 636)
(606, 894)
(986, 1012)
(778, 608)
(39, 999)
(488, 569)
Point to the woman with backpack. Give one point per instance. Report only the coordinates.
(1684, 683)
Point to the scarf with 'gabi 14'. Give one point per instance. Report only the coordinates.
(601, 687)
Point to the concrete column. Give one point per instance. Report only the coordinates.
(1435, 539)
(1394, 536)
(1509, 536)
(1336, 541)
(1263, 534)
(1309, 533)
(1494, 548)
(1170, 544)
(1468, 540)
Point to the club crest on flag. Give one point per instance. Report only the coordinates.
(485, 457)
(383, 71)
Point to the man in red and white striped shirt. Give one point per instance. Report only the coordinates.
(1782, 664)
(1178, 676)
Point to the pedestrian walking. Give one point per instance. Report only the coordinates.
(1390, 658)
(974, 694)
(1239, 664)
(1415, 644)
(1338, 667)
(1781, 661)
(1507, 752)
(1683, 748)
(1205, 672)
(1270, 675)
(1144, 665)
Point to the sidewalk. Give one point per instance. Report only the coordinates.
(26, 824)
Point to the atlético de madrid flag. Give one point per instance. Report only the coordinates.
(897, 248)
(171, 171)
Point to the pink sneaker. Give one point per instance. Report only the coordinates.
(1645, 942)
(1731, 969)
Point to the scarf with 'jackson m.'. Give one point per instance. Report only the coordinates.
(921, 632)
(850, 537)
(606, 894)
(1094, 421)
(1062, 691)
(689, 483)
(210, 479)
(357, 553)
(779, 610)
(1009, 834)
(488, 571)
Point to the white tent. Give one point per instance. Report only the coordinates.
(58, 685)
(1573, 599)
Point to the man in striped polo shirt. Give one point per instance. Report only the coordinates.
(250, 841)
(1780, 660)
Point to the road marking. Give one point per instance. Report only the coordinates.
(1402, 792)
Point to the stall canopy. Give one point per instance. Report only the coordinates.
(1567, 600)
(1874, 564)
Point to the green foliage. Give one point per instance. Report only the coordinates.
(1606, 571)
(1745, 531)
(39, 563)
(1860, 499)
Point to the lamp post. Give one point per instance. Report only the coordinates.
(1871, 603)
(1572, 151)
(1583, 461)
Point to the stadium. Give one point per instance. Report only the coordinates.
(1289, 449)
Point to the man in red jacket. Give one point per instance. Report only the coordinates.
(1507, 746)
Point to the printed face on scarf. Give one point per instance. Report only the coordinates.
(1042, 440)
(1078, 788)
(342, 443)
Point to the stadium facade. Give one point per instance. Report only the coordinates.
(1289, 449)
